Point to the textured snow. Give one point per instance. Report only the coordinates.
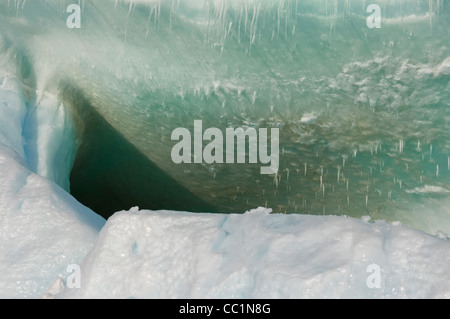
(164, 254)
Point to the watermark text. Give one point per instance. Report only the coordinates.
(213, 152)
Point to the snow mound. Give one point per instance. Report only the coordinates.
(166, 254)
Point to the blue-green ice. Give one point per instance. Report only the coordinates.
(363, 112)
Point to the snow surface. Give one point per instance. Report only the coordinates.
(162, 254)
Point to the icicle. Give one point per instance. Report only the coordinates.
(276, 180)
(430, 12)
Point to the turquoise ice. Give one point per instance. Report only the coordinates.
(362, 112)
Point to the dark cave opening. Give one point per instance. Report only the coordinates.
(109, 174)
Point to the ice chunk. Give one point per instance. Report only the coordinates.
(166, 254)
(43, 229)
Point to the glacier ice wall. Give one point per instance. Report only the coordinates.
(362, 112)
